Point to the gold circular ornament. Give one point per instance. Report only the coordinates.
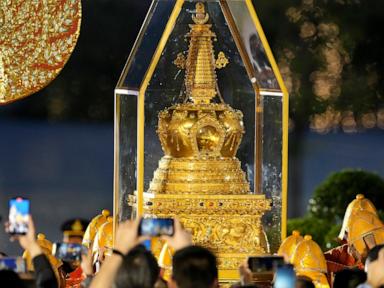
(36, 40)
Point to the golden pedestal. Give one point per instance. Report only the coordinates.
(229, 225)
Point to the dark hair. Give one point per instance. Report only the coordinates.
(138, 270)
(349, 278)
(193, 267)
(10, 279)
(304, 282)
(373, 254)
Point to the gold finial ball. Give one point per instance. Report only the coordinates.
(296, 233)
(307, 237)
(40, 236)
(360, 196)
(105, 213)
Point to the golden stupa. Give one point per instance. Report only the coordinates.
(199, 179)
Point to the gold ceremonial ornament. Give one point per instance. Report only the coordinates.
(365, 230)
(76, 229)
(201, 116)
(289, 245)
(46, 247)
(165, 261)
(359, 204)
(309, 261)
(199, 179)
(36, 40)
(103, 242)
(93, 227)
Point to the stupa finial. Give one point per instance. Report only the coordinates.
(200, 64)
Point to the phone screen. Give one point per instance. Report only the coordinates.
(69, 252)
(18, 216)
(285, 277)
(265, 263)
(15, 264)
(156, 227)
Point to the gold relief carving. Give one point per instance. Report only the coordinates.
(180, 61)
(221, 61)
(207, 136)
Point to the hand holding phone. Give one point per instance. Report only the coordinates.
(18, 216)
(181, 237)
(69, 252)
(15, 264)
(156, 227)
(265, 263)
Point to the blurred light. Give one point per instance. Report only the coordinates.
(348, 122)
(368, 120)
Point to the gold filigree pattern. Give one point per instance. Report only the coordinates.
(180, 61)
(36, 40)
(224, 223)
(221, 61)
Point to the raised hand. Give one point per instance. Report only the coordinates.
(180, 239)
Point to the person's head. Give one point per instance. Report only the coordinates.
(138, 270)
(194, 266)
(304, 282)
(10, 279)
(374, 266)
(73, 230)
(349, 278)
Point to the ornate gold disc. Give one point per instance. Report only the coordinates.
(36, 40)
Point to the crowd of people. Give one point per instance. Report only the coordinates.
(130, 264)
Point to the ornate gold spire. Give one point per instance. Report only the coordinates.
(200, 74)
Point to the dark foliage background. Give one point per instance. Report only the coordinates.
(330, 200)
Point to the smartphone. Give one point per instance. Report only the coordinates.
(156, 227)
(265, 263)
(18, 216)
(69, 252)
(15, 264)
(285, 277)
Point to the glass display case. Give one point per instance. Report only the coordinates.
(201, 122)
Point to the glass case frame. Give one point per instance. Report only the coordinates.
(130, 94)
